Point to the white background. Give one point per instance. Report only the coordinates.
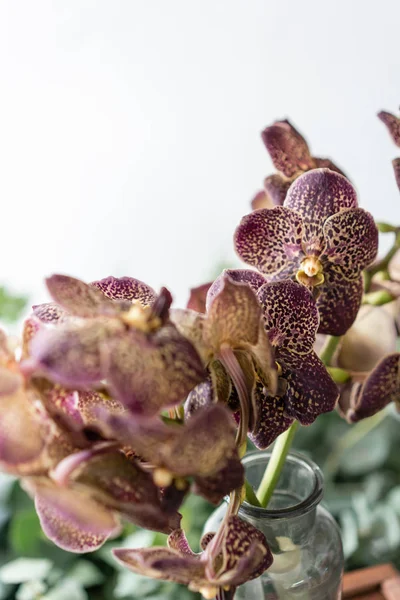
(129, 130)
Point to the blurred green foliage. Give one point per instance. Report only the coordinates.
(11, 307)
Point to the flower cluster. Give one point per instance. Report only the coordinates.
(119, 406)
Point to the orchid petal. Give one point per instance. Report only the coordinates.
(272, 419)
(75, 355)
(316, 196)
(125, 288)
(271, 240)
(72, 519)
(396, 168)
(290, 315)
(310, 389)
(254, 279)
(351, 238)
(338, 302)
(22, 435)
(288, 149)
(380, 388)
(233, 316)
(50, 313)
(150, 372)
(393, 125)
(276, 188)
(78, 298)
(197, 299)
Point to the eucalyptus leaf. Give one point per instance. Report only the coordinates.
(30, 590)
(66, 589)
(132, 585)
(25, 569)
(86, 573)
(348, 526)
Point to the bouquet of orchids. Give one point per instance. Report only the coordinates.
(117, 406)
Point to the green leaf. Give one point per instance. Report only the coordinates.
(11, 307)
(348, 527)
(25, 533)
(25, 569)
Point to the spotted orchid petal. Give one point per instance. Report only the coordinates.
(190, 324)
(310, 389)
(217, 486)
(197, 298)
(338, 302)
(271, 240)
(78, 298)
(253, 279)
(316, 196)
(74, 355)
(151, 371)
(50, 313)
(372, 336)
(163, 563)
(126, 288)
(351, 238)
(71, 518)
(122, 485)
(245, 553)
(396, 168)
(393, 125)
(381, 387)
(233, 316)
(23, 433)
(272, 419)
(288, 149)
(290, 316)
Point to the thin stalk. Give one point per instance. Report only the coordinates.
(251, 497)
(275, 465)
(329, 349)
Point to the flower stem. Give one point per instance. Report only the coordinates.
(275, 465)
(329, 349)
(251, 497)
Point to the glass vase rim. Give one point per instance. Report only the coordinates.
(298, 509)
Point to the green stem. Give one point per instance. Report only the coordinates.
(329, 349)
(251, 497)
(339, 375)
(275, 465)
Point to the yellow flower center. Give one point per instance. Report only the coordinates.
(310, 272)
(140, 317)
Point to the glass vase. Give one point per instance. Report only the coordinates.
(303, 537)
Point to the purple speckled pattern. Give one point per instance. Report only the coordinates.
(381, 387)
(305, 389)
(126, 288)
(244, 555)
(50, 313)
(287, 148)
(78, 298)
(319, 220)
(393, 125)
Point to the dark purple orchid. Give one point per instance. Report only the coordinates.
(122, 336)
(319, 237)
(291, 157)
(202, 449)
(393, 125)
(242, 554)
(232, 341)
